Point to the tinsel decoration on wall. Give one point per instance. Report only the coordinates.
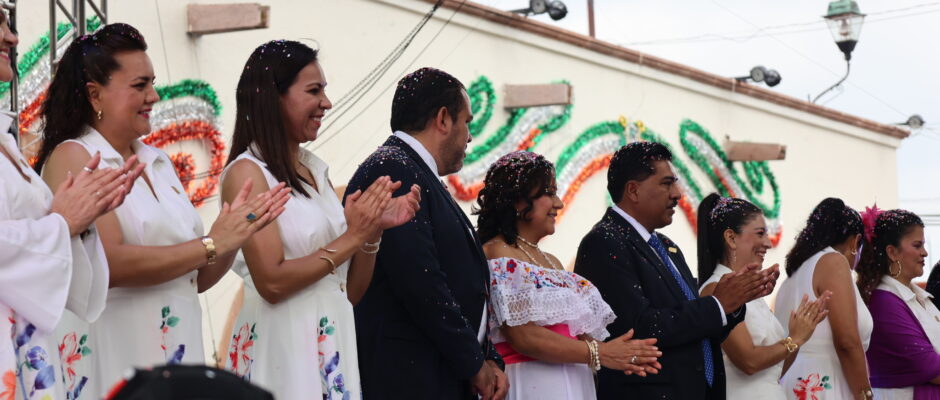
(590, 152)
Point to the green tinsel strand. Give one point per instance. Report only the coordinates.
(497, 138)
(480, 91)
(650, 136)
(690, 126)
(191, 87)
(593, 132)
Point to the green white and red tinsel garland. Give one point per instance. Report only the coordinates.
(590, 152)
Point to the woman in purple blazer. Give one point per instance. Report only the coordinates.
(904, 354)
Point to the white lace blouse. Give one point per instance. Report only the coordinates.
(521, 292)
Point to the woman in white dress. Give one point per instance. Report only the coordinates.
(831, 365)
(295, 335)
(732, 234)
(99, 102)
(50, 259)
(904, 356)
(548, 324)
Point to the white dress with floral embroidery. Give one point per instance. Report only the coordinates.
(305, 346)
(559, 300)
(43, 273)
(146, 326)
(816, 373)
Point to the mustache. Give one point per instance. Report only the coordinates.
(673, 204)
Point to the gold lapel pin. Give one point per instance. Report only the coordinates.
(673, 250)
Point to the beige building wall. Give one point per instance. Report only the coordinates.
(825, 157)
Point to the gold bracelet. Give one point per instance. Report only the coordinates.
(210, 250)
(788, 343)
(332, 264)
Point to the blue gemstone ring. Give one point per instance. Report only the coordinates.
(251, 217)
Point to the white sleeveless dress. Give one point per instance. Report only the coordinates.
(147, 326)
(44, 273)
(765, 330)
(305, 346)
(816, 373)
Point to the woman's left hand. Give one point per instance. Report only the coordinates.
(402, 208)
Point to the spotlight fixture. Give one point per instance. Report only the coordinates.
(914, 122)
(760, 74)
(555, 9)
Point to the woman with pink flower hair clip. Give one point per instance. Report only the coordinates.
(904, 356)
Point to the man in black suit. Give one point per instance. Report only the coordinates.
(643, 276)
(933, 284)
(421, 325)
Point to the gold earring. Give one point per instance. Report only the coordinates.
(895, 276)
(99, 115)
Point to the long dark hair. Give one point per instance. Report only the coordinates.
(830, 223)
(270, 70)
(715, 215)
(67, 109)
(882, 230)
(516, 176)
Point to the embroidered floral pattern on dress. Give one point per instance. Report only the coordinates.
(9, 386)
(72, 350)
(34, 366)
(522, 293)
(330, 375)
(807, 388)
(241, 355)
(170, 321)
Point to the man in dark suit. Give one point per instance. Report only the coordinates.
(421, 325)
(643, 276)
(933, 284)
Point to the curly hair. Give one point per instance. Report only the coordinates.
(66, 108)
(830, 223)
(889, 227)
(517, 176)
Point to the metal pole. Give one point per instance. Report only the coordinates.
(590, 10)
(10, 6)
(53, 38)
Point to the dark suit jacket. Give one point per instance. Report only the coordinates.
(646, 297)
(417, 324)
(933, 284)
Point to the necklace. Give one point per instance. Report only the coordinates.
(536, 247)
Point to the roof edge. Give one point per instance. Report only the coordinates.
(671, 67)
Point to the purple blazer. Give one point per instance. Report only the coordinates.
(900, 354)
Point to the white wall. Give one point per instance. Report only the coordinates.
(824, 158)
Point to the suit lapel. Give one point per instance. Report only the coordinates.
(439, 187)
(634, 239)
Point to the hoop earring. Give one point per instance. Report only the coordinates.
(99, 115)
(895, 276)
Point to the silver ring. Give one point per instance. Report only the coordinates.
(88, 170)
(633, 360)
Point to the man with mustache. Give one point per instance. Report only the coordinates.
(643, 276)
(420, 325)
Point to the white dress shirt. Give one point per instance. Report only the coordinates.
(431, 163)
(646, 235)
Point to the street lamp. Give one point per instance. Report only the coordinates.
(761, 74)
(845, 23)
(555, 9)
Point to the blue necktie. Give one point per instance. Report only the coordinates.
(689, 295)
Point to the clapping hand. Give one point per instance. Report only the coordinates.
(402, 208)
